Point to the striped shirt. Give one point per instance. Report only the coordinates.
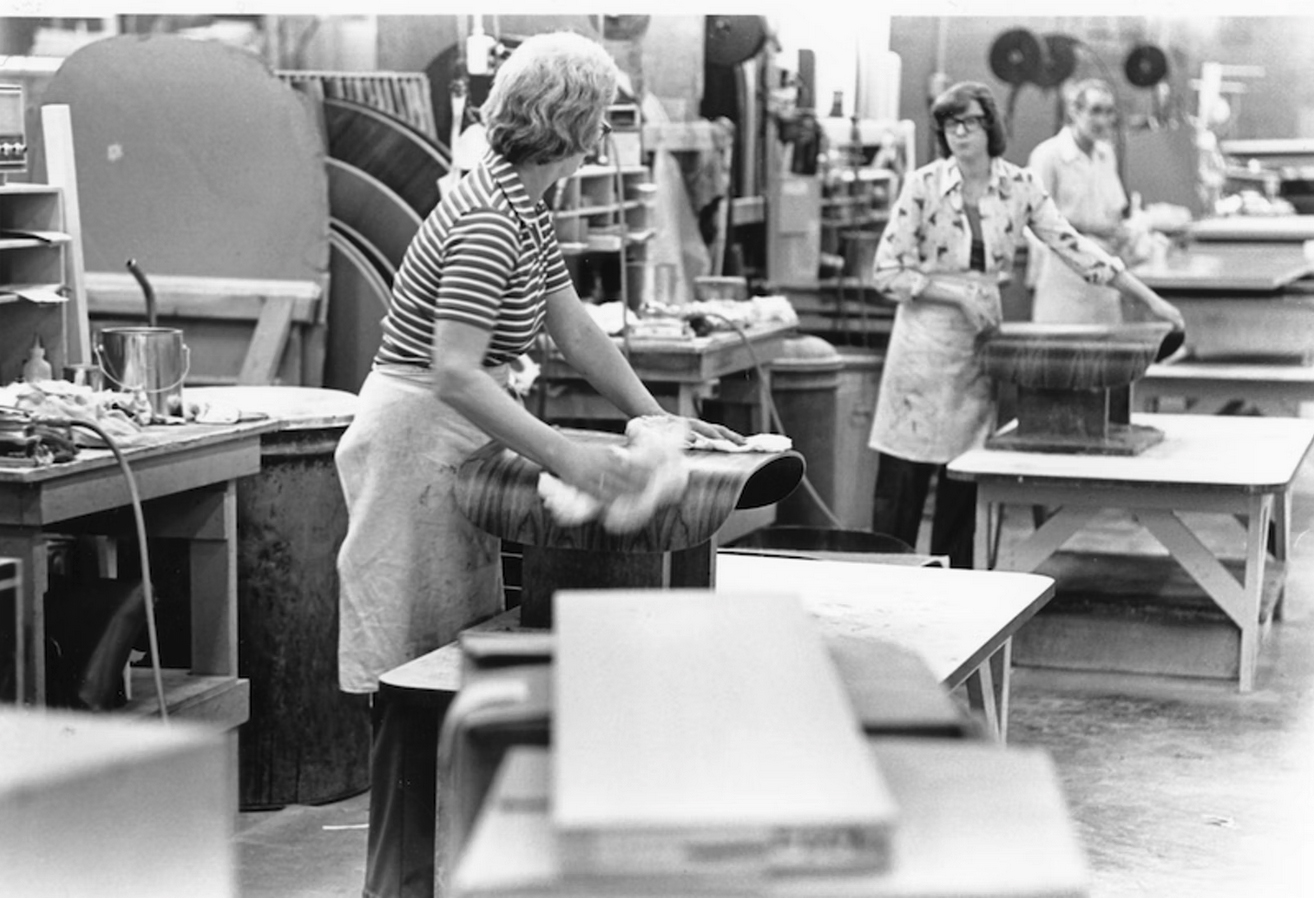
(485, 256)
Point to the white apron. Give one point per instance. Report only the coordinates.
(935, 400)
(1063, 297)
(413, 570)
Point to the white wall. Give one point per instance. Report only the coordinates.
(840, 42)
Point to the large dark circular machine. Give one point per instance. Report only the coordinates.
(1145, 66)
(1058, 61)
(731, 40)
(1016, 57)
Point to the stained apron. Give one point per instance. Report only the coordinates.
(935, 400)
(414, 571)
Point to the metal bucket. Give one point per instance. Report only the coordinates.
(153, 360)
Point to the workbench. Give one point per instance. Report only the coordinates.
(1208, 387)
(679, 371)
(1262, 228)
(1245, 299)
(960, 622)
(1233, 466)
(974, 821)
(186, 476)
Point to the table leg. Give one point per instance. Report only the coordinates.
(1281, 543)
(207, 520)
(31, 549)
(1240, 602)
(982, 541)
(1001, 669)
(685, 404)
(1256, 556)
(981, 697)
(1047, 539)
(763, 424)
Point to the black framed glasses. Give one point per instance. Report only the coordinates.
(968, 123)
(604, 132)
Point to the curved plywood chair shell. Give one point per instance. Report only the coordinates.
(498, 491)
(358, 300)
(407, 161)
(369, 207)
(1072, 356)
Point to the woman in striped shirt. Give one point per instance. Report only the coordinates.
(481, 278)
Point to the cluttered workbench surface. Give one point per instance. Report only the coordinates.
(690, 356)
(158, 442)
(185, 477)
(680, 366)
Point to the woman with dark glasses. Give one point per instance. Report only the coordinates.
(954, 232)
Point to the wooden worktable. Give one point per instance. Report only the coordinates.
(961, 623)
(1263, 228)
(1239, 300)
(186, 476)
(1227, 268)
(1207, 386)
(687, 365)
(1233, 466)
(974, 821)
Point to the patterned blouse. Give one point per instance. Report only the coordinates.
(929, 230)
(936, 400)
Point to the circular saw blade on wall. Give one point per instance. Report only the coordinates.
(1016, 57)
(1145, 66)
(731, 40)
(1058, 60)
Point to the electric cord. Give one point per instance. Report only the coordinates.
(140, 521)
(774, 413)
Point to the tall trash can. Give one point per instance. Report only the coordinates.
(855, 461)
(804, 386)
(305, 742)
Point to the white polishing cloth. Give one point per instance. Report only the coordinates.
(655, 448)
(655, 443)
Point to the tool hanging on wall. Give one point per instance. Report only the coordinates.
(1146, 67)
(1015, 58)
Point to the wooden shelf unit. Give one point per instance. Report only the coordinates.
(599, 198)
(607, 209)
(35, 245)
(33, 257)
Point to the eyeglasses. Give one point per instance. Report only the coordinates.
(968, 123)
(604, 133)
(1102, 110)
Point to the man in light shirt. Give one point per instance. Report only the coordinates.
(1079, 169)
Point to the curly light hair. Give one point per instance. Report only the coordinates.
(548, 98)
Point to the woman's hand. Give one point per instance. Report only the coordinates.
(981, 303)
(602, 472)
(714, 431)
(1162, 308)
(1156, 305)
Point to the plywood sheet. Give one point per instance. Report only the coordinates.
(193, 158)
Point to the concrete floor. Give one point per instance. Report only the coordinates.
(1177, 787)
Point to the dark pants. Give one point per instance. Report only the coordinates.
(901, 488)
(399, 855)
